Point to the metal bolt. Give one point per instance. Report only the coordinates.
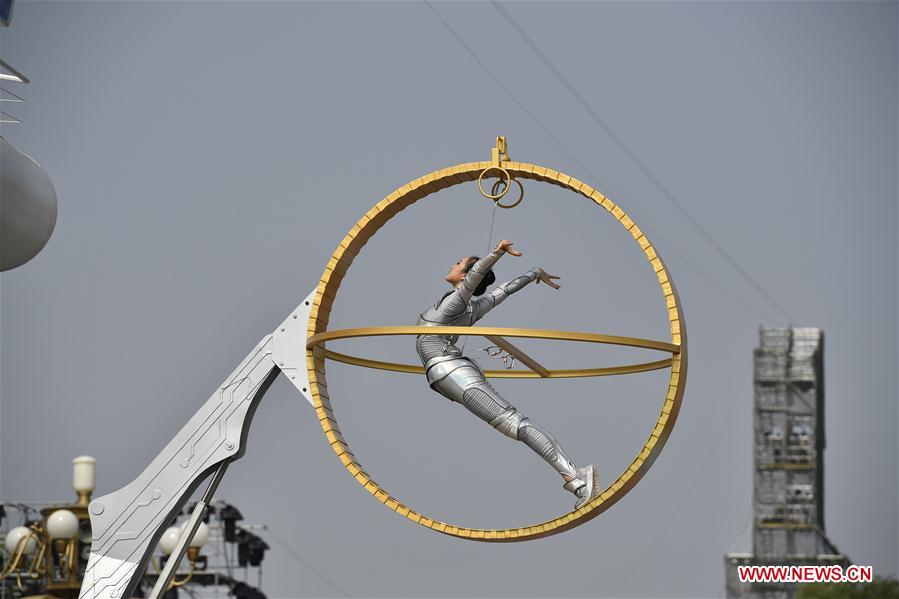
(282, 329)
(229, 445)
(294, 315)
(96, 508)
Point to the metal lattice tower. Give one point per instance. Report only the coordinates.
(788, 460)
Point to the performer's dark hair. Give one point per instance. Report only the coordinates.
(488, 279)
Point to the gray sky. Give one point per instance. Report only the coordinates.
(208, 157)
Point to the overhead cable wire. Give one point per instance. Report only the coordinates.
(669, 248)
(669, 521)
(310, 567)
(634, 158)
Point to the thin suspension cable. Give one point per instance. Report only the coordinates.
(492, 220)
(656, 237)
(634, 158)
(487, 251)
(293, 553)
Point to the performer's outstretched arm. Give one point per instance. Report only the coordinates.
(455, 302)
(476, 274)
(501, 292)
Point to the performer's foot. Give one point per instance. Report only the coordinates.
(585, 486)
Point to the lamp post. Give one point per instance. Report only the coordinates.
(169, 542)
(65, 528)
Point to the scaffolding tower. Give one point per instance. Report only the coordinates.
(788, 461)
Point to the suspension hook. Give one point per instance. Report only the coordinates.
(504, 178)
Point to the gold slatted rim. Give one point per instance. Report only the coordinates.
(343, 257)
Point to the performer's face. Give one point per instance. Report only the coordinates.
(458, 270)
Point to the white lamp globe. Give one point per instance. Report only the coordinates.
(15, 535)
(62, 524)
(169, 539)
(201, 536)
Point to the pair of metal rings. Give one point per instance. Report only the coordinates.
(507, 185)
(495, 351)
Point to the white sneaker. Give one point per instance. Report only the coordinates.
(585, 486)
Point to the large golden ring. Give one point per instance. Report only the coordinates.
(342, 259)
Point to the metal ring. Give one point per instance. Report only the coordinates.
(520, 196)
(496, 184)
(505, 374)
(335, 335)
(342, 259)
(515, 332)
(495, 198)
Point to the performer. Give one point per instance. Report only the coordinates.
(460, 379)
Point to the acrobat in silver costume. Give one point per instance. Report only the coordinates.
(460, 379)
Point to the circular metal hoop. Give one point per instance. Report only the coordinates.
(321, 338)
(342, 259)
(520, 195)
(505, 190)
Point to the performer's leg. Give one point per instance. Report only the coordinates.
(541, 441)
(583, 482)
(466, 384)
(484, 401)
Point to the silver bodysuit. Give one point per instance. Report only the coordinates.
(460, 379)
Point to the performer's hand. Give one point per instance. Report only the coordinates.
(506, 246)
(545, 277)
